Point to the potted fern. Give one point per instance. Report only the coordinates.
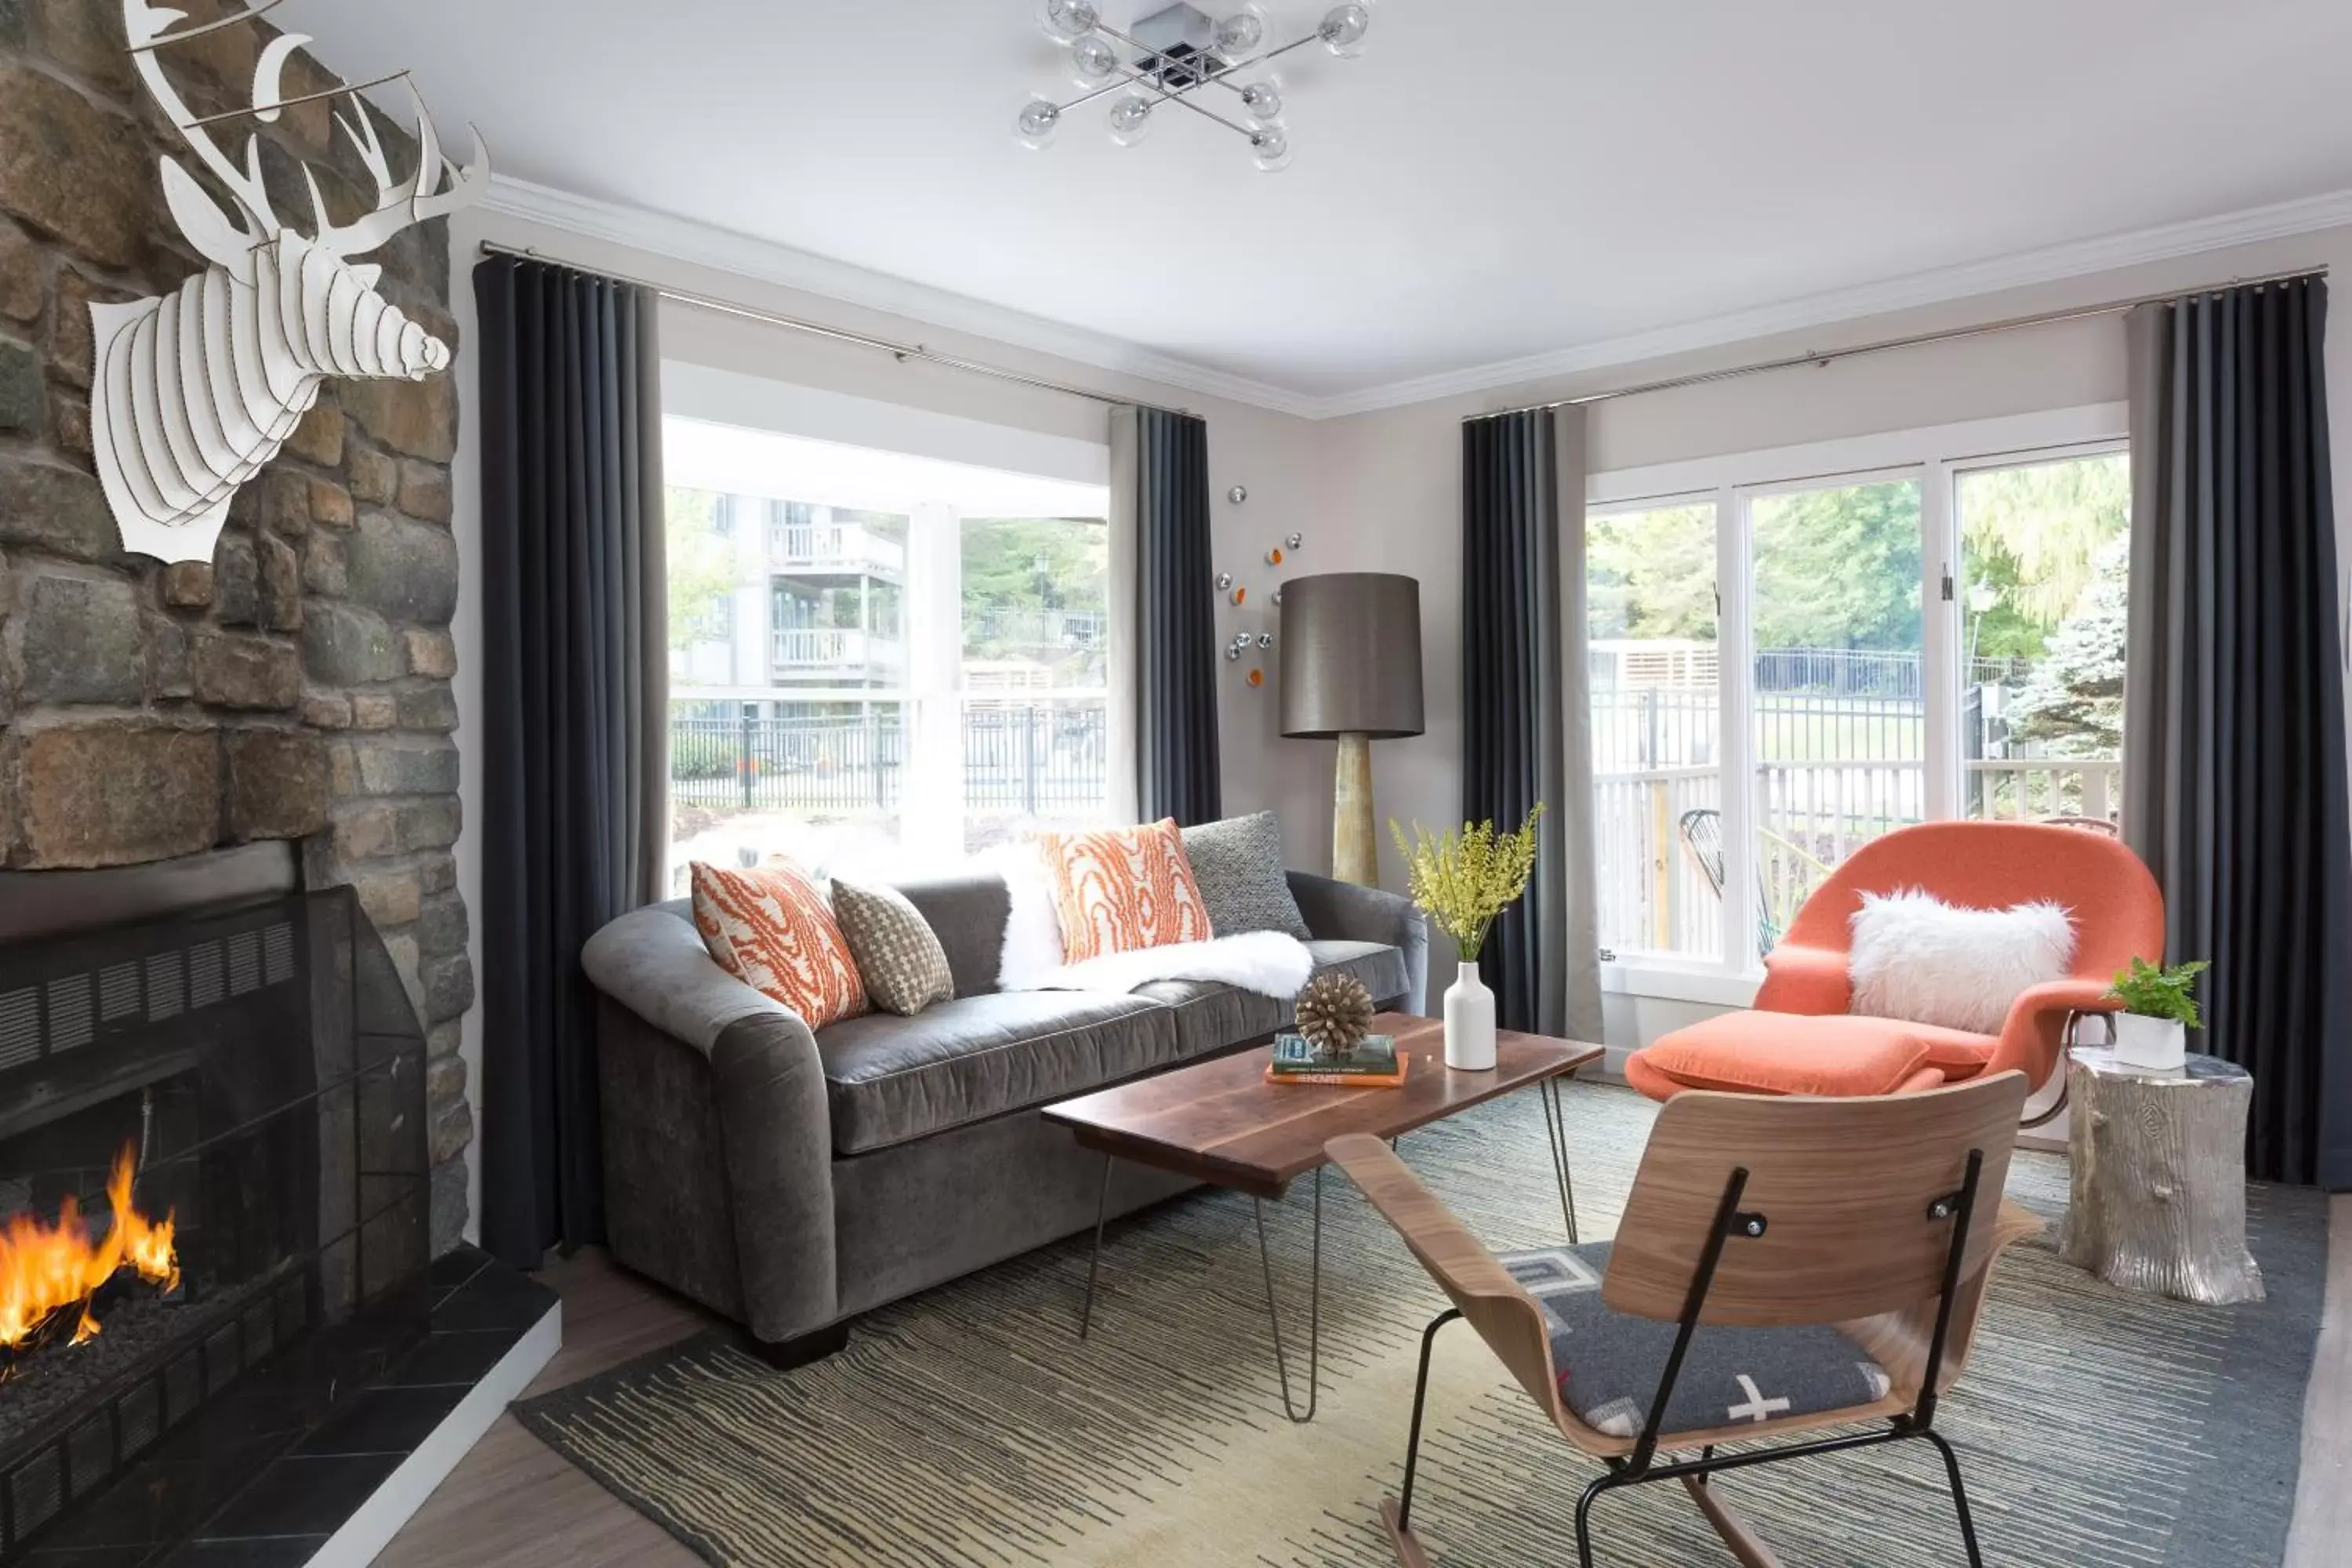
(1462, 881)
(2160, 1008)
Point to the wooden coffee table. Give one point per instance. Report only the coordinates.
(1220, 1121)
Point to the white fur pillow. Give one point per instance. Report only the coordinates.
(1033, 931)
(1917, 958)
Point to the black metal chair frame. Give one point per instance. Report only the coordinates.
(1639, 1468)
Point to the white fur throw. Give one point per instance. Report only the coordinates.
(1917, 958)
(1266, 962)
(1033, 931)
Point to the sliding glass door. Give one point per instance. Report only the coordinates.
(1942, 638)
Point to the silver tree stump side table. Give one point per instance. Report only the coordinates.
(2159, 1161)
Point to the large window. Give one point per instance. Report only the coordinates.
(878, 661)
(1935, 638)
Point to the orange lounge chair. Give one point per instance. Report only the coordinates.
(1801, 1039)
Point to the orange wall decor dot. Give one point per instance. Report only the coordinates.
(1257, 677)
(1240, 595)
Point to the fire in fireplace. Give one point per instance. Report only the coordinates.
(50, 1268)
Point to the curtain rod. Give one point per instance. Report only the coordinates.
(1951, 334)
(900, 352)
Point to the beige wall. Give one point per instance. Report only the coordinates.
(1391, 479)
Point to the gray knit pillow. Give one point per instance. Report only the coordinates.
(899, 955)
(1238, 864)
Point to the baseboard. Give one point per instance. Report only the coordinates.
(370, 1529)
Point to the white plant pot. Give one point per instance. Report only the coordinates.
(1469, 1022)
(2159, 1043)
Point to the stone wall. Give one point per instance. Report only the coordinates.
(297, 687)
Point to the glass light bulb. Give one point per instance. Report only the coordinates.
(1037, 121)
(1343, 28)
(1272, 145)
(1130, 116)
(1065, 20)
(1092, 61)
(1263, 101)
(1241, 32)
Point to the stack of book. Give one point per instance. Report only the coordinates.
(1375, 1063)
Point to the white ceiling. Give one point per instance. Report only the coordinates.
(1489, 182)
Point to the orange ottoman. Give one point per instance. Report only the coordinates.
(1836, 1053)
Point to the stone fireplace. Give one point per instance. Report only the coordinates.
(297, 687)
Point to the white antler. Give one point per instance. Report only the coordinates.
(199, 218)
(399, 204)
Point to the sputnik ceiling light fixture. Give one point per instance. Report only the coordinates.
(1168, 57)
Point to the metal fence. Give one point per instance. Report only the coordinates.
(1836, 762)
(1033, 759)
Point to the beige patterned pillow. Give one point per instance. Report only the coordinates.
(899, 955)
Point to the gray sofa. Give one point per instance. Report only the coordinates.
(793, 1179)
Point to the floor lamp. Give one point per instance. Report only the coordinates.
(1351, 672)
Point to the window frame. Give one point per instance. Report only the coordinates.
(1936, 456)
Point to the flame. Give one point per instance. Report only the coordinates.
(47, 1269)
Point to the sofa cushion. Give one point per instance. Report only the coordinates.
(890, 1079)
(967, 913)
(1211, 1017)
(1796, 1053)
(1609, 1363)
(1119, 889)
(1237, 864)
(1380, 967)
(899, 955)
(772, 928)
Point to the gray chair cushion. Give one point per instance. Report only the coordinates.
(891, 1080)
(1609, 1363)
(1237, 865)
(1379, 966)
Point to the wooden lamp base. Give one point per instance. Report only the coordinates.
(1355, 844)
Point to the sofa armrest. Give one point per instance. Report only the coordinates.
(1344, 911)
(766, 1101)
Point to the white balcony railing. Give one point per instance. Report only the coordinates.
(832, 547)
(2027, 789)
(802, 649)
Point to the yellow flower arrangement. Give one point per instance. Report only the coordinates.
(1464, 881)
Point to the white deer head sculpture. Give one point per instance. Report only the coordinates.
(195, 390)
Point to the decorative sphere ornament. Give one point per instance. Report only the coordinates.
(1224, 581)
(1296, 540)
(1335, 1012)
(1238, 494)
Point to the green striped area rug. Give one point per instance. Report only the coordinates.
(971, 1427)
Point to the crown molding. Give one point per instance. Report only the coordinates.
(707, 244)
(1941, 287)
(765, 261)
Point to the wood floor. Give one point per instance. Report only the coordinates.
(513, 1502)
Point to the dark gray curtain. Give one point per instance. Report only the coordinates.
(1159, 485)
(1525, 726)
(575, 700)
(2234, 782)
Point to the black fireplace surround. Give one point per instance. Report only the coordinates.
(254, 1049)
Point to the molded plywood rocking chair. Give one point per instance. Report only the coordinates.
(1783, 1265)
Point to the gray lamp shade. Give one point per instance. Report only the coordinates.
(1351, 656)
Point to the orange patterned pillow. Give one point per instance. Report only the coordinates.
(1122, 889)
(772, 930)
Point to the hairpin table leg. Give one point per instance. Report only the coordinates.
(1315, 1308)
(1094, 1262)
(1555, 1128)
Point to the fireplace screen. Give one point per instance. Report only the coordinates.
(213, 1164)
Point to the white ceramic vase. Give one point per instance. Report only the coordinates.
(1469, 1022)
(2158, 1043)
